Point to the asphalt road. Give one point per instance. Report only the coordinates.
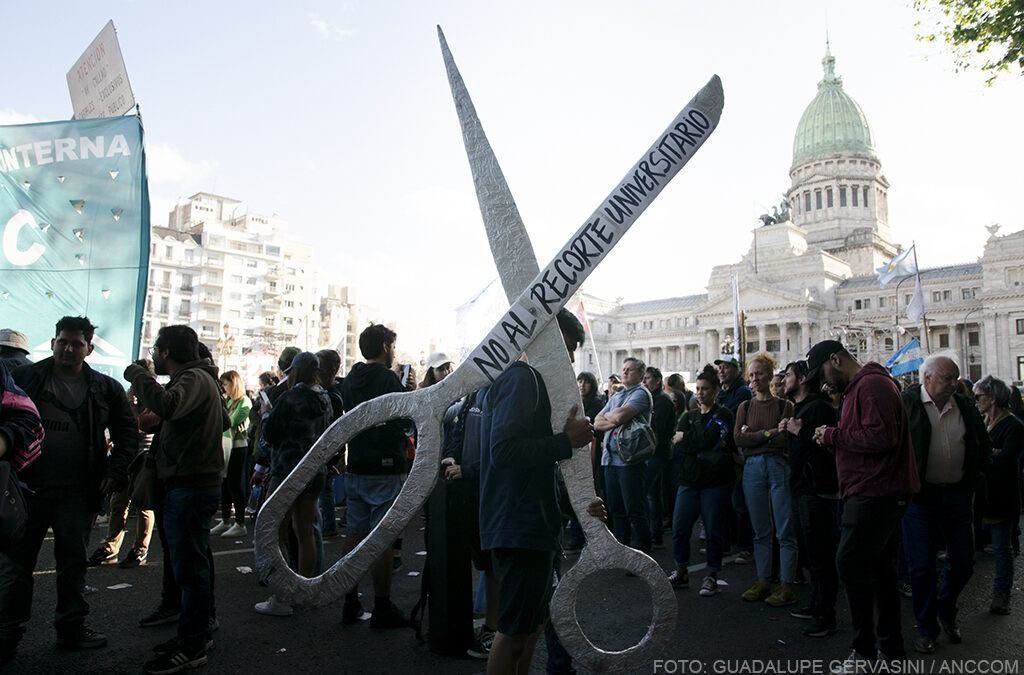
(721, 634)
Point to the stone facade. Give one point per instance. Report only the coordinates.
(810, 275)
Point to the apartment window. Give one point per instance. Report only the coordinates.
(773, 345)
(936, 296)
(289, 303)
(943, 340)
(881, 302)
(966, 293)
(842, 195)
(1014, 276)
(817, 199)
(753, 347)
(865, 196)
(857, 304)
(273, 250)
(288, 321)
(828, 197)
(947, 296)
(251, 264)
(973, 338)
(867, 303)
(807, 201)
(288, 288)
(853, 192)
(168, 252)
(236, 278)
(1020, 326)
(165, 304)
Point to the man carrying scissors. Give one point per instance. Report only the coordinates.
(519, 516)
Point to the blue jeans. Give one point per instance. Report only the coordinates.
(935, 510)
(186, 519)
(653, 471)
(711, 505)
(1001, 534)
(766, 490)
(624, 488)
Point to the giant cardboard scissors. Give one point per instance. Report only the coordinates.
(526, 326)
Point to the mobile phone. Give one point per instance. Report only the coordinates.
(405, 374)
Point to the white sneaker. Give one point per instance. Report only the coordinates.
(854, 663)
(273, 607)
(236, 530)
(708, 587)
(220, 527)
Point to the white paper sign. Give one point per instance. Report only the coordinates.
(98, 81)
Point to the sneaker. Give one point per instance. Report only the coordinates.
(389, 617)
(351, 611)
(679, 579)
(781, 598)
(1000, 603)
(219, 528)
(952, 631)
(708, 587)
(759, 591)
(744, 558)
(134, 559)
(273, 607)
(236, 530)
(180, 659)
(854, 663)
(173, 645)
(802, 613)
(481, 645)
(906, 591)
(924, 644)
(83, 638)
(821, 628)
(161, 616)
(101, 557)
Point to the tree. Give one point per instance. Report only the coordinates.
(985, 32)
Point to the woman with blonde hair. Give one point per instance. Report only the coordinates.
(766, 475)
(236, 447)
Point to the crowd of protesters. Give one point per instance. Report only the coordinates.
(825, 472)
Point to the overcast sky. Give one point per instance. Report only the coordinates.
(337, 116)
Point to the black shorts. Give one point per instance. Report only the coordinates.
(524, 588)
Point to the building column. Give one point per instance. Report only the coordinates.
(805, 334)
(762, 332)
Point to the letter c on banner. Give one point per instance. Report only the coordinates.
(10, 241)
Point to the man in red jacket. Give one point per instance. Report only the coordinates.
(877, 476)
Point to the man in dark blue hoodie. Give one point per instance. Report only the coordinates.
(374, 469)
(519, 515)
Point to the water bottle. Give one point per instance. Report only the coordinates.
(253, 505)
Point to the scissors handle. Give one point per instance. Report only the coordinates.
(425, 407)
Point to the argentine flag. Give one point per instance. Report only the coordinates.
(900, 266)
(906, 360)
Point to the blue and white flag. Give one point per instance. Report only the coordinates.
(906, 360)
(900, 266)
(74, 216)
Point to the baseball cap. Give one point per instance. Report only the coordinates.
(13, 339)
(437, 359)
(819, 354)
(728, 358)
(304, 360)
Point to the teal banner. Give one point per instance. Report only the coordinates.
(74, 233)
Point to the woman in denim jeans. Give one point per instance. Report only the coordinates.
(766, 475)
(1001, 509)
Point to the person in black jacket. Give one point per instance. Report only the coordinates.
(374, 469)
(953, 451)
(704, 439)
(1001, 508)
(815, 488)
(78, 407)
(663, 423)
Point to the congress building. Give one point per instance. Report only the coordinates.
(810, 274)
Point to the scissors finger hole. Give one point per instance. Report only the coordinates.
(615, 593)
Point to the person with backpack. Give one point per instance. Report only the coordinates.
(766, 476)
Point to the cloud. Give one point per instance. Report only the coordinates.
(167, 166)
(325, 28)
(11, 116)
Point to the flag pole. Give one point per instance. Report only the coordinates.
(924, 317)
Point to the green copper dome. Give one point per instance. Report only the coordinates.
(833, 124)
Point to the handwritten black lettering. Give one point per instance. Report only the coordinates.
(517, 327)
(692, 135)
(562, 273)
(539, 293)
(599, 231)
(700, 119)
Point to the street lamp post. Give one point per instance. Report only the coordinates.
(964, 353)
